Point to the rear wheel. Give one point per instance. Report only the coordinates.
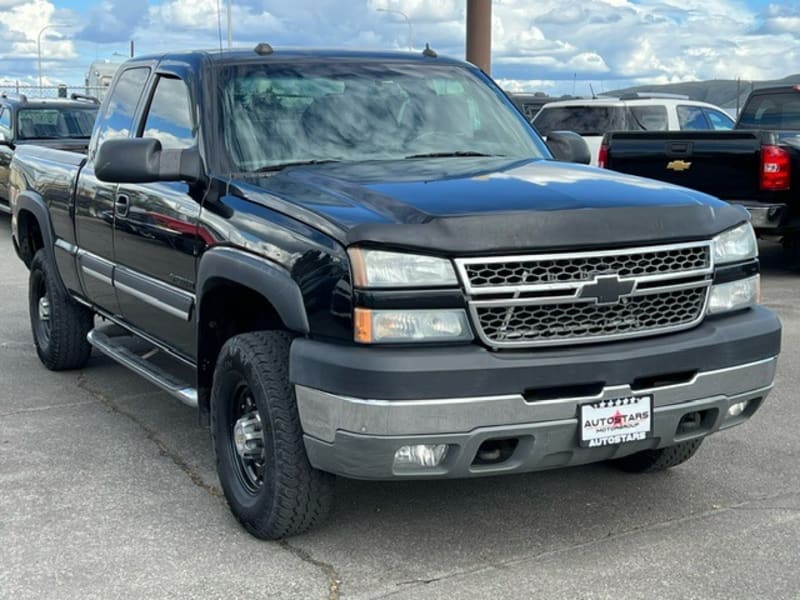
(651, 461)
(59, 324)
(258, 442)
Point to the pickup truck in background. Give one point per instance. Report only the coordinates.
(757, 165)
(53, 123)
(370, 265)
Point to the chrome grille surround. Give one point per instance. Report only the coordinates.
(586, 297)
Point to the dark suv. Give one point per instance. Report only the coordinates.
(63, 124)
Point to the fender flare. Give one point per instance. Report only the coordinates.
(34, 203)
(267, 278)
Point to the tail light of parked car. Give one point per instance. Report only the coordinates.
(602, 156)
(775, 168)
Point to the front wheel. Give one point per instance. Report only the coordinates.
(258, 442)
(651, 461)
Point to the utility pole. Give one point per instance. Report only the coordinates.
(479, 34)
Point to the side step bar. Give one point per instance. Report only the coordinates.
(115, 349)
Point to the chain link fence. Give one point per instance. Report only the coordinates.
(52, 91)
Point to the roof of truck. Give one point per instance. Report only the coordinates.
(278, 54)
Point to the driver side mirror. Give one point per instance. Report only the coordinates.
(142, 160)
(568, 146)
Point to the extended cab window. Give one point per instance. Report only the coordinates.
(117, 119)
(169, 118)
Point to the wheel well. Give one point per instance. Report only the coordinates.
(226, 310)
(29, 234)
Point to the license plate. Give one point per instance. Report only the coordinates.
(617, 421)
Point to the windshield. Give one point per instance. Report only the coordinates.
(305, 112)
(54, 123)
(583, 120)
(772, 111)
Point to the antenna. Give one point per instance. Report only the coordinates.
(594, 96)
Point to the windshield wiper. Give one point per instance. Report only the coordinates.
(447, 154)
(298, 163)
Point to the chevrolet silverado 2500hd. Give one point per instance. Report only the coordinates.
(369, 265)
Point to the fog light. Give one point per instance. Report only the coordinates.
(420, 455)
(734, 410)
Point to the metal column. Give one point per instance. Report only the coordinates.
(479, 33)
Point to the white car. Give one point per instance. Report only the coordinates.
(592, 117)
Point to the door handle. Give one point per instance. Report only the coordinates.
(122, 205)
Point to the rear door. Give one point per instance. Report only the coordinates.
(94, 199)
(155, 226)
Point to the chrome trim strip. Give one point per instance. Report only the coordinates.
(155, 302)
(97, 275)
(461, 268)
(322, 414)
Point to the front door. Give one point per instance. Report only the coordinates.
(155, 230)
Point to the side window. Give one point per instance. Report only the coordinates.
(718, 120)
(5, 122)
(117, 118)
(649, 118)
(169, 118)
(692, 118)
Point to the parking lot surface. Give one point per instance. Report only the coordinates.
(108, 490)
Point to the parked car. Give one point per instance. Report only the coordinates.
(755, 165)
(593, 117)
(531, 103)
(382, 273)
(62, 124)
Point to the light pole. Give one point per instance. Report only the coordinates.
(39, 48)
(405, 16)
(230, 25)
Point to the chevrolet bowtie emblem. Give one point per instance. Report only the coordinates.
(679, 165)
(607, 289)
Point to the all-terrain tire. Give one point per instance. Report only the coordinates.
(651, 461)
(59, 324)
(253, 370)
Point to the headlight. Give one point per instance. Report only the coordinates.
(734, 295)
(735, 245)
(380, 269)
(397, 326)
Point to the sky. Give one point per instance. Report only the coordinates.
(556, 46)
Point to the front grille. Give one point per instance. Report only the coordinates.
(587, 297)
(586, 267)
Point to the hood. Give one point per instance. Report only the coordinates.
(469, 205)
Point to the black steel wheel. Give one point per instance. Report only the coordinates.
(262, 465)
(58, 323)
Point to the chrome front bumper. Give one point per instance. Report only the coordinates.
(357, 437)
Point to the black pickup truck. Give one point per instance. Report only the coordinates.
(54, 123)
(369, 265)
(756, 165)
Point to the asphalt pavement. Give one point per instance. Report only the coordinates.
(108, 490)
